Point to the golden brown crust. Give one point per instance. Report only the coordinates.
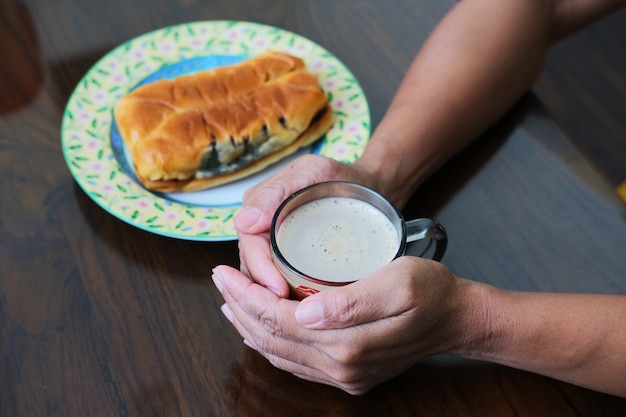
(202, 130)
(315, 131)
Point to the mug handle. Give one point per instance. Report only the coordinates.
(428, 228)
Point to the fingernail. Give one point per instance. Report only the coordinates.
(308, 313)
(227, 312)
(217, 280)
(246, 218)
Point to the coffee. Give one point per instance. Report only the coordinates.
(333, 233)
(338, 239)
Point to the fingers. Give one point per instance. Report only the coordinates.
(256, 263)
(267, 325)
(388, 292)
(259, 205)
(298, 369)
(253, 221)
(263, 319)
(260, 202)
(323, 370)
(372, 331)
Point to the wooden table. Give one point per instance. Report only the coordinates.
(100, 318)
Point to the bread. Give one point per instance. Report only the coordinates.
(213, 127)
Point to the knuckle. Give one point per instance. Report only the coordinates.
(259, 338)
(347, 357)
(325, 168)
(270, 326)
(265, 193)
(350, 379)
(410, 286)
(346, 304)
(352, 376)
(409, 292)
(265, 332)
(344, 307)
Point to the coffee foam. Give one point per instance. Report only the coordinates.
(338, 239)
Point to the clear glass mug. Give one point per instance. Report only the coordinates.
(323, 236)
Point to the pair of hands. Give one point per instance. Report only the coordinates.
(352, 337)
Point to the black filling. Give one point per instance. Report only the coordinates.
(210, 166)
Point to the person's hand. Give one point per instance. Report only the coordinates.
(260, 202)
(352, 337)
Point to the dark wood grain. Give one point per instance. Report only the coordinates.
(584, 87)
(98, 318)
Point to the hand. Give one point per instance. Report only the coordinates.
(352, 337)
(260, 202)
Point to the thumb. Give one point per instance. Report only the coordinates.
(381, 295)
(259, 205)
(252, 220)
(261, 201)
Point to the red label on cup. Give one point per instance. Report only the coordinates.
(303, 291)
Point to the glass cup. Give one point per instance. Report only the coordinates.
(333, 233)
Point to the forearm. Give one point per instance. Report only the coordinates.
(577, 338)
(477, 62)
(475, 65)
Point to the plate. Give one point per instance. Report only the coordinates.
(100, 164)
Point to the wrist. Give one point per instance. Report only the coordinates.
(477, 324)
(405, 149)
(386, 172)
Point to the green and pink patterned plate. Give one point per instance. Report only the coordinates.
(98, 159)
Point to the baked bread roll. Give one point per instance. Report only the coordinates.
(213, 127)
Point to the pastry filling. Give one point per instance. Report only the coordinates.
(211, 166)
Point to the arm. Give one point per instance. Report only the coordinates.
(353, 338)
(577, 338)
(478, 61)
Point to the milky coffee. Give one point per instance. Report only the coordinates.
(338, 239)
